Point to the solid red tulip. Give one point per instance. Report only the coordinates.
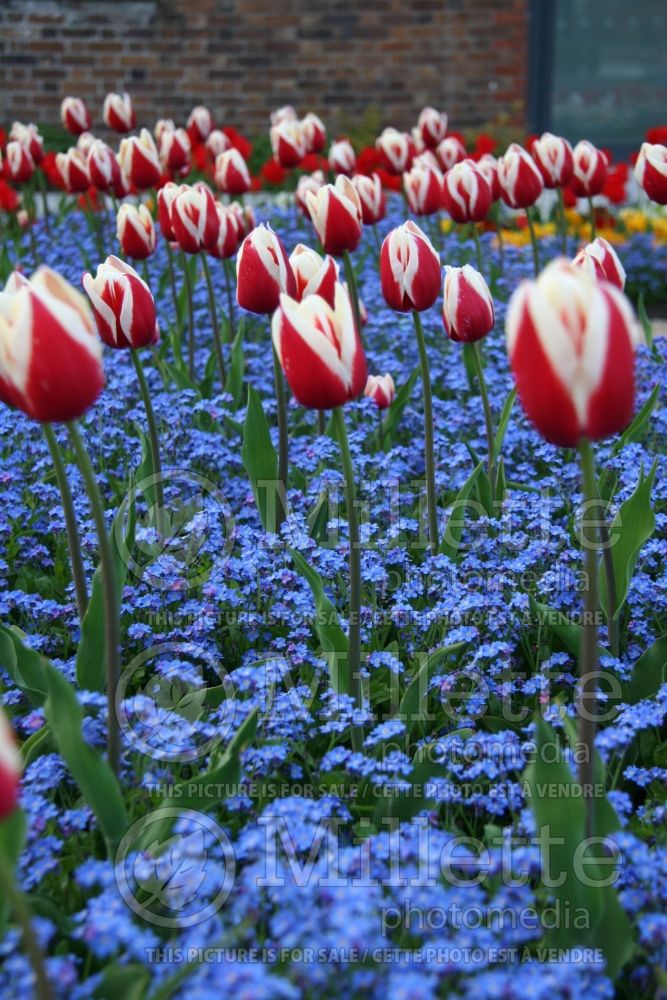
(118, 112)
(74, 115)
(520, 180)
(135, 231)
(10, 768)
(335, 211)
(410, 271)
(590, 170)
(651, 171)
(467, 308)
(314, 275)
(601, 261)
(194, 218)
(466, 193)
(571, 343)
(371, 198)
(122, 304)
(320, 350)
(263, 272)
(231, 173)
(138, 158)
(553, 156)
(50, 353)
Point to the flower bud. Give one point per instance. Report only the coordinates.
(263, 272)
(381, 389)
(342, 157)
(199, 123)
(601, 261)
(118, 113)
(410, 270)
(432, 125)
(308, 182)
(423, 188)
(450, 152)
(371, 198)
(553, 156)
(231, 173)
(520, 181)
(590, 170)
(466, 193)
(194, 218)
(396, 150)
(73, 170)
(103, 167)
(139, 160)
(314, 275)
(10, 768)
(20, 164)
(651, 171)
(174, 148)
(467, 308)
(335, 211)
(123, 305)
(135, 231)
(74, 115)
(288, 143)
(314, 132)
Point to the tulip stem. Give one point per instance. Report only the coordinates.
(354, 632)
(563, 222)
(230, 299)
(191, 317)
(283, 457)
(478, 248)
(43, 989)
(41, 184)
(153, 438)
(321, 422)
(429, 454)
(609, 572)
(488, 418)
(111, 620)
(177, 311)
(76, 559)
(533, 240)
(380, 419)
(353, 289)
(588, 654)
(591, 209)
(217, 340)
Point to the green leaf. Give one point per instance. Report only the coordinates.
(95, 779)
(260, 460)
(332, 638)
(451, 536)
(123, 982)
(647, 326)
(632, 526)
(634, 431)
(395, 411)
(12, 837)
(35, 745)
(25, 666)
(318, 518)
(648, 673)
(503, 423)
(234, 384)
(416, 694)
(567, 631)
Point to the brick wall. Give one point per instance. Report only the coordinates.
(244, 57)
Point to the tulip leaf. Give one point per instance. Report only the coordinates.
(647, 326)
(503, 423)
(451, 536)
(332, 638)
(12, 837)
(648, 673)
(91, 654)
(260, 460)
(35, 745)
(634, 431)
(416, 694)
(395, 411)
(234, 384)
(632, 526)
(576, 879)
(122, 982)
(567, 631)
(24, 665)
(95, 779)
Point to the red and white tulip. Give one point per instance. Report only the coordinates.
(75, 115)
(139, 160)
(314, 275)
(135, 231)
(520, 180)
(601, 261)
(263, 272)
(466, 193)
(122, 304)
(371, 198)
(381, 389)
(651, 171)
(467, 308)
(553, 156)
(590, 169)
(231, 173)
(423, 189)
(118, 112)
(410, 271)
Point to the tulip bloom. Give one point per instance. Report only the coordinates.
(342, 157)
(161, 126)
(450, 152)
(228, 233)
(135, 231)
(263, 271)
(396, 150)
(231, 173)
(336, 214)
(308, 182)
(74, 115)
(288, 143)
(50, 354)
(571, 344)
(30, 139)
(10, 768)
(651, 171)
(381, 389)
(423, 188)
(314, 132)
(73, 170)
(199, 123)
(467, 308)
(590, 170)
(165, 200)
(245, 217)
(118, 113)
(217, 142)
(103, 167)
(314, 275)
(520, 180)
(138, 158)
(410, 271)
(319, 349)
(20, 164)
(371, 198)
(194, 218)
(466, 193)
(553, 156)
(432, 126)
(174, 145)
(284, 114)
(601, 261)
(122, 304)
